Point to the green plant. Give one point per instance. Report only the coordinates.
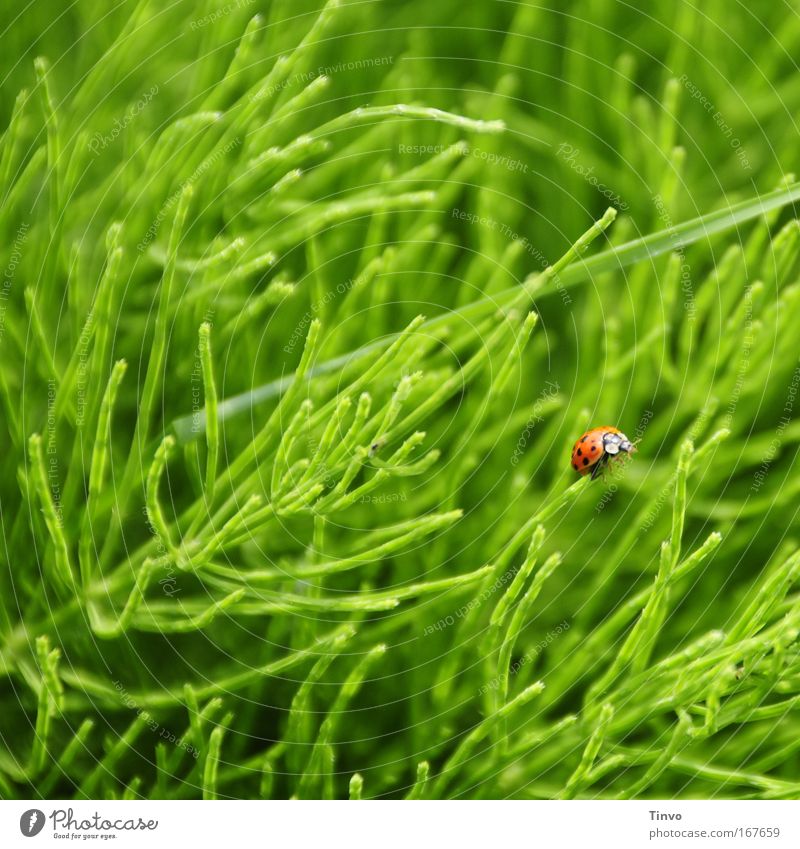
(300, 321)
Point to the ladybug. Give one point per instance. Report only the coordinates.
(597, 447)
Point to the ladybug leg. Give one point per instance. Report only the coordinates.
(601, 466)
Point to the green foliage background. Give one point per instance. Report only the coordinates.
(372, 572)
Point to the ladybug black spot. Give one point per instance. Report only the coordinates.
(583, 439)
(594, 448)
(585, 461)
(580, 453)
(575, 466)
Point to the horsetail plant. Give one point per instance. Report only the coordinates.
(295, 349)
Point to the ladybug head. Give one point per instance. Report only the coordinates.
(614, 443)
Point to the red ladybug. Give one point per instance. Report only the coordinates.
(597, 447)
